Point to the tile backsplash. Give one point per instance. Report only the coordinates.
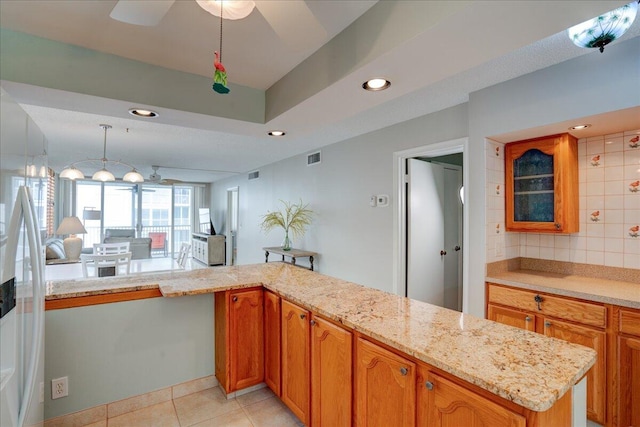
(609, 176)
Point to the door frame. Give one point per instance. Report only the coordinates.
(230, 260)
(400, 210)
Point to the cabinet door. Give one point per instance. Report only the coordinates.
(296, 360)
(443, 403)
(511, 317)
(541, 185)
(629, 374)
(594, 339)
(331, 377)
(385, 387)
(246, 343)
(272, 341)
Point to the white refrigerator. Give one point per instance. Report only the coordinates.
(22, 317)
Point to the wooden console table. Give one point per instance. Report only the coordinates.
(292, 253)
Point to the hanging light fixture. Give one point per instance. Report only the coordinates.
(71, 172)
(602, 30)
(237, 9)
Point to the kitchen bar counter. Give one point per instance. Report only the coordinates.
(526, 368)
(624, 294)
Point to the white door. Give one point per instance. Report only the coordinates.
(425, 232)
(452, 238)
(434, 218)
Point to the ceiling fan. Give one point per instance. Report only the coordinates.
(156, 178)
(292, 20)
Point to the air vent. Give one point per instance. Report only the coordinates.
(313, 158)
(254, 175)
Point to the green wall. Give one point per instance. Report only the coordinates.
(114, 351)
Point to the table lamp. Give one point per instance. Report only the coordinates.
(71, 225)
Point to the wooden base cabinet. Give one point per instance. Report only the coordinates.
(385, 391)
(239, 357)
(272, 319)
(296, 360)
(331, 374)
(443, 403)
(629, 368)
(515, 307)
(588, 337)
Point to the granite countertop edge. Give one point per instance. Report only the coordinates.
(431, 334)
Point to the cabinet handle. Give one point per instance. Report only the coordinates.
(429, 385)
(527, 319)
(302, 316)
(557, 225)
(443, 253)
(404, 371)
(547, 324)
(538, 299)
(313, 323)
(234, 299)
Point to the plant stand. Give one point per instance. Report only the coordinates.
(292, 253)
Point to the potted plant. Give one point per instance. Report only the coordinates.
(293, 217)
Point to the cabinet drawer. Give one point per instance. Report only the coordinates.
(629, 322)
(576, 311)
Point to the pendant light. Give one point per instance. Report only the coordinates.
(602, 30)
(104, 175)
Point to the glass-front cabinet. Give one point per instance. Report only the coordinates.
(541, 183)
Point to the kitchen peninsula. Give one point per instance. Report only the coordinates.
(522, 375)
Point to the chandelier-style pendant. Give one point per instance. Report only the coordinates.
(602, 30)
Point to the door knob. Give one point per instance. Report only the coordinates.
(442, 253)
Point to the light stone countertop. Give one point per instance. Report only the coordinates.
(625, 294)
(527, 368)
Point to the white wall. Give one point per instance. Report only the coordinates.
(355, 241)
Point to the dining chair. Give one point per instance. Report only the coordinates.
(107, 259)
(183, 254)
(158, 241)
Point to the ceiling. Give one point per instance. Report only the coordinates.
(435, 54)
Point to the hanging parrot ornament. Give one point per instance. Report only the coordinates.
(219, 76)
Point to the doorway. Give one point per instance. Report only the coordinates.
(430, 221)
(232, 225)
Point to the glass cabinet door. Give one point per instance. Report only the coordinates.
(533, 187)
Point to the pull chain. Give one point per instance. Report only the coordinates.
(221, 10)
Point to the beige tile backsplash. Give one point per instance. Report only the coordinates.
(609, 171)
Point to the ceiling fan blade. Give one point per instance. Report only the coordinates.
(293, 22)
(141, 12)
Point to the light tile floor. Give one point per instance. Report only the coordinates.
(209, 408)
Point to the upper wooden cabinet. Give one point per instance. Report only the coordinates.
(541, 185)
(239, 338)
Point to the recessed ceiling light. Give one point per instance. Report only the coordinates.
(277, 133)
(140, 112)
(376, 84)
(580, 127)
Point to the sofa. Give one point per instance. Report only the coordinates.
(140, 247)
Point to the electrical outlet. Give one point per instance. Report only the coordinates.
(59, 387)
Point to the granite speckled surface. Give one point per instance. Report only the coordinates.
(527, 368)
(625, 294)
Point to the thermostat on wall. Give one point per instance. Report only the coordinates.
(382, 200)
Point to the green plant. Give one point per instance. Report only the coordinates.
(293, 217)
